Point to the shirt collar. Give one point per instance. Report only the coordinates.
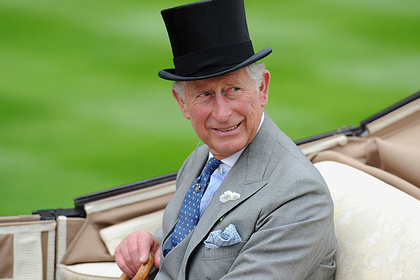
(227, 163)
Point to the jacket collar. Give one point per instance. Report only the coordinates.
(245, 178)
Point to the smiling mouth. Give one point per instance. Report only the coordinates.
(228, 129)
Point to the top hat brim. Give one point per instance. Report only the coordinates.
(170, 74)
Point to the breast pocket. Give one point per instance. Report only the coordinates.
(217, 262)
(222, 252)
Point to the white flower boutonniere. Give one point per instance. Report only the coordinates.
(229, 195)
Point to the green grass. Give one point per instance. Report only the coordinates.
(82, 108)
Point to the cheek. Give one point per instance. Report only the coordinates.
(250, 108)
(253, 113)
(199, 117)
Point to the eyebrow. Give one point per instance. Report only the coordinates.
(230, 80)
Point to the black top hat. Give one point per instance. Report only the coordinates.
(209, 38)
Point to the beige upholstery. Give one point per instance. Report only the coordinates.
(376, 225)
(389, 149)
(26, 248)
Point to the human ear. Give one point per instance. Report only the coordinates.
(263, 89)
(181, 103)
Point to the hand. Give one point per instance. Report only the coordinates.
(134, 250)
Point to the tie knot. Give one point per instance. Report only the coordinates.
(211, 165)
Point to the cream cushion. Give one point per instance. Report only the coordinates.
(89, 271)
(113, 235)
(377, 225)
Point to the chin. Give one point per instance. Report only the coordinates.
(228, 151)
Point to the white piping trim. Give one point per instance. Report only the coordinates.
(34, 227)
(61, 237)
(325, 144)
(111, 204)
(51, 255)
(393, 117)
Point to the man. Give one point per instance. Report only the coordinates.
(266, 212)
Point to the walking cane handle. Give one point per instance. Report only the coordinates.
(143, 271)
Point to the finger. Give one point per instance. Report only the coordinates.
(144, 270)
(121, 261)
(157, 257)
(149, 243)
(134, 251)
(130, 251)
(145, 245)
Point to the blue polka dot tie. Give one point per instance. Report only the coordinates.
(189, 214)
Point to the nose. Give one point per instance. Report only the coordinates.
(221, 109)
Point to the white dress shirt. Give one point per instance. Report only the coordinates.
(219, 175)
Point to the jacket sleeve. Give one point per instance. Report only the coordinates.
(294, 240)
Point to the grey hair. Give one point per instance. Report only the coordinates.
(254, 71)
(179, 86)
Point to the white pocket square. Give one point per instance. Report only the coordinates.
(228, 237)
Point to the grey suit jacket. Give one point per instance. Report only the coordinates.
(284, 216)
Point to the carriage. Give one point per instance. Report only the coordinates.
(372, 171)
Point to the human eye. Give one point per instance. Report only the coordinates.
(233, 90)
(205, 94)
